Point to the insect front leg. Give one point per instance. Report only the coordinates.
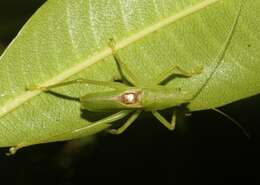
(170, 126)
(127, 124)
(175, 70)
(173, 121)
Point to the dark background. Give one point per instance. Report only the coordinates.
(205, 148)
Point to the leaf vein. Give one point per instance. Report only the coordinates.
(26, 96)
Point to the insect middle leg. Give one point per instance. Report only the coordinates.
(125, 73)
(175, 70)
(127, 123)
(170, 126)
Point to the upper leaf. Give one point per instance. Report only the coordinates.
(69, 39)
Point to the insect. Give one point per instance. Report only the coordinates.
(135, 98)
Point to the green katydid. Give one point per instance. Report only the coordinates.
(140, 97)
(135, 98)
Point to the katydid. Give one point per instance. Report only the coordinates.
(135, 98)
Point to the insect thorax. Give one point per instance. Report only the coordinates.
(161, 97)
(131, 98)
(155, 98)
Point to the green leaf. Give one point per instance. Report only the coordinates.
(68, 39)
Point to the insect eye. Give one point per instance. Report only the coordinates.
(129, 98)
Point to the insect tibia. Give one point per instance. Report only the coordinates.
(233, 120)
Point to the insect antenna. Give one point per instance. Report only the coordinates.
(219, 59)
(233, 120)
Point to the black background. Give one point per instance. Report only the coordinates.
(205, 148)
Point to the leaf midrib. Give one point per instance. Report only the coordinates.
(26, 96)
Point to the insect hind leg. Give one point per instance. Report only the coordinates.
(114, 85)
(73, 134)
